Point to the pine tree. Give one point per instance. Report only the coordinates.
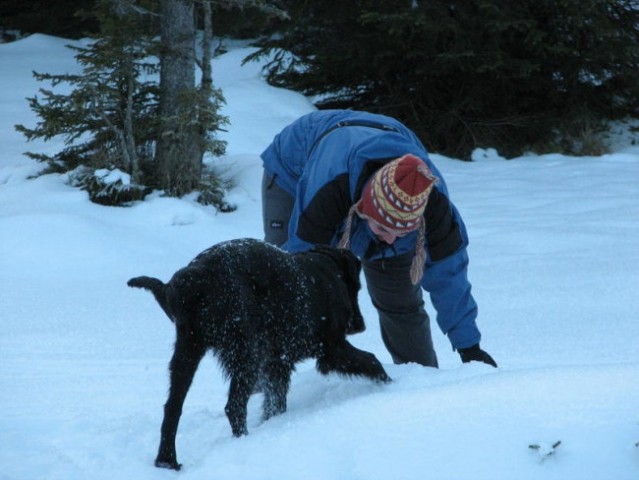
(108, 120)
(467, 73)
(112, 118)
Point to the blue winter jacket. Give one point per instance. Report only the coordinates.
(323, 160)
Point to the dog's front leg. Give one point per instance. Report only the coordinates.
(345, 359)
(184, 363)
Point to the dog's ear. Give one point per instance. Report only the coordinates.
(351, 269)
(340, 312)
(346, 316)
(349, 265)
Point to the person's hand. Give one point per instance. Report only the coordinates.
(476, 354)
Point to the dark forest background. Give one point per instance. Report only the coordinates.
(525, 75)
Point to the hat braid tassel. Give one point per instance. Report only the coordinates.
(346, 236)
(417, 266)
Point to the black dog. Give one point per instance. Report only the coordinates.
(261, 310)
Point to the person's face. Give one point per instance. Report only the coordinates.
(383, 233)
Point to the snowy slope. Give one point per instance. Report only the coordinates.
(83, 358)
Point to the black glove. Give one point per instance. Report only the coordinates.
(476, 354)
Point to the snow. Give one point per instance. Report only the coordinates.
(83, 358)
(112, 176)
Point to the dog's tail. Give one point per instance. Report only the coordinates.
(157, 288)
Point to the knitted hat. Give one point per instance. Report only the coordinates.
(396, 195)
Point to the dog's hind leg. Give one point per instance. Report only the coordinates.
(243, 381)
(277, 379)
(345, 359)
(184, 363)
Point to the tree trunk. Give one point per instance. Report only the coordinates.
(207, 38)
(179, 150)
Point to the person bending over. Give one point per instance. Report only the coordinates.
(365, 182)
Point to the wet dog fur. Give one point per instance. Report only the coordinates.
(261, 311)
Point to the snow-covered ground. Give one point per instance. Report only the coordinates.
(83, 358)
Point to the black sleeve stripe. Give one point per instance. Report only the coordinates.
(326, 211)
(442, 231)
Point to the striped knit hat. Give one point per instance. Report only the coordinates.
(395, 197)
